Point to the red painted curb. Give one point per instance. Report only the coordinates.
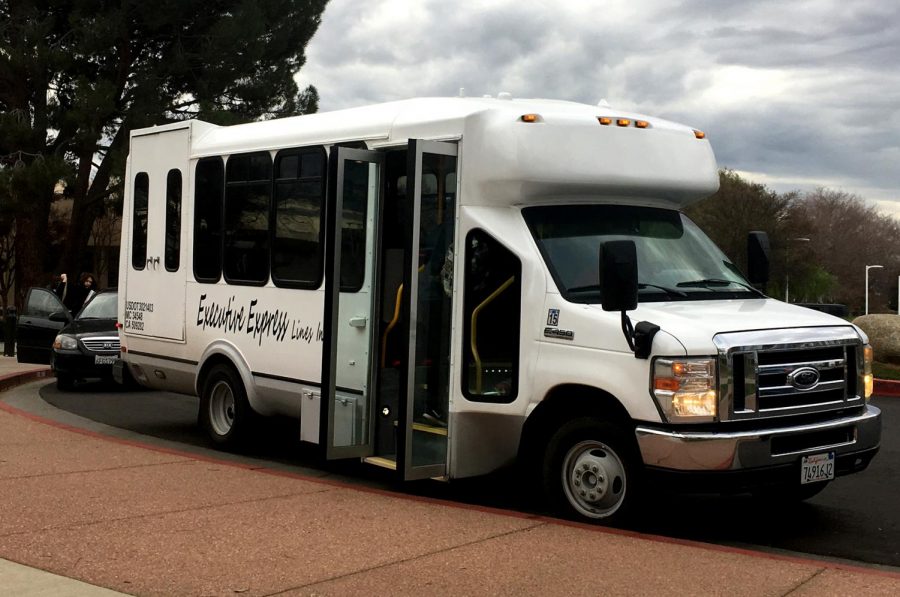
(887, 387)
(11, 380)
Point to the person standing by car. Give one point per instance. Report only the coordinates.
(74, 296)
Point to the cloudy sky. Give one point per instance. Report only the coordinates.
(793, 94)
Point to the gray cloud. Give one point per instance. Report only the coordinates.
(793, 92)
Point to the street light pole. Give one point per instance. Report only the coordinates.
(787, 264)
(868, 267)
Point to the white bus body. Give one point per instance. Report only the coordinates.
(275, 267)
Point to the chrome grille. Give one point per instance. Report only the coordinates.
(101, 344)
(807, 370)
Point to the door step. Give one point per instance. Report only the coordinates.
(382, 462)
(425, 428)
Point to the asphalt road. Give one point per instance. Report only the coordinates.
(856, 518)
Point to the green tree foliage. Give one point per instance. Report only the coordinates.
(820, 241)
(76, 76)
(738, 207)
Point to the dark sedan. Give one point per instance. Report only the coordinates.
(86, 346)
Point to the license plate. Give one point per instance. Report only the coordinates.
(817, 467)
(105, 360)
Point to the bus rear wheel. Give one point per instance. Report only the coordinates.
(591, 471)
(225, 413)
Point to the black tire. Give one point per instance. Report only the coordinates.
(65, 382)
(592, 471)
(225, 413)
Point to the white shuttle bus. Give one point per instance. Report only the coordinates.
(444, 287)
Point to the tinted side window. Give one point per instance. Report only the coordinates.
(492, 310)
(358, 176)
(141, 194)
(41, 303)
(299, 196)
(208, 191)
(173, 220)
(248, 195)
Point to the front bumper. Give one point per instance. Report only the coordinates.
(849, 437)
(81, 365)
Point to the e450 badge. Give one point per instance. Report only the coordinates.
(559, 333)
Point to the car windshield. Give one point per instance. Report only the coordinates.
(102, 306)
(676, 260)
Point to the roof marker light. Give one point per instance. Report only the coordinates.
(604, 120)
(623, 122)
(641, 124)
(699, 134)
(531, 118)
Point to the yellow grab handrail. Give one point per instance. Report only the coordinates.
(391, 325)
(473, 338)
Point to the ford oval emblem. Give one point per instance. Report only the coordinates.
(804, 378)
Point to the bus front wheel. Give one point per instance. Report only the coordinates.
(225, 413)
(591, 471)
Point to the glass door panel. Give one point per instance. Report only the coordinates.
(432, 170)
(350, 302)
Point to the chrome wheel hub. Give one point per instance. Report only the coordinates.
(594, 479)
(221, 408)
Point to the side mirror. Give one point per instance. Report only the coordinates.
(60, 317)
(619, 275)
(758, 258)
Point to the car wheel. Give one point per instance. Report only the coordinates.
(225, 413)
(592, 471)
(65, 382)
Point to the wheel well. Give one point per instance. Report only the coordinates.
(212, 361)
(564, 403)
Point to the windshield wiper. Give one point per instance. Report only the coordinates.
(666, 289)
(586, 288)
(713, 282)
(641, 285)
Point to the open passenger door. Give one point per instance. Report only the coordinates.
(350, 302)
(413, 404)
(428, 274)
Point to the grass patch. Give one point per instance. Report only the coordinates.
(886, 371)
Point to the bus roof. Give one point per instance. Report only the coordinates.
(569, 150)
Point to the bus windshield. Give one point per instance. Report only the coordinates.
(676, 260)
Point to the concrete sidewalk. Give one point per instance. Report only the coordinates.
(148, 521)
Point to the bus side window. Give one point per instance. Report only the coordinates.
(248, 195)
(173, 220)
(139, 221)
(491, 316)
(299, 196)
(209, 189)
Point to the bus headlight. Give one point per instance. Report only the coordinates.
(685, 389)
(868, 378)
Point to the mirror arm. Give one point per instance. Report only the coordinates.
(639, 337)
(628, 330)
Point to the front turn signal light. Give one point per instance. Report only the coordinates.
(868, 377)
